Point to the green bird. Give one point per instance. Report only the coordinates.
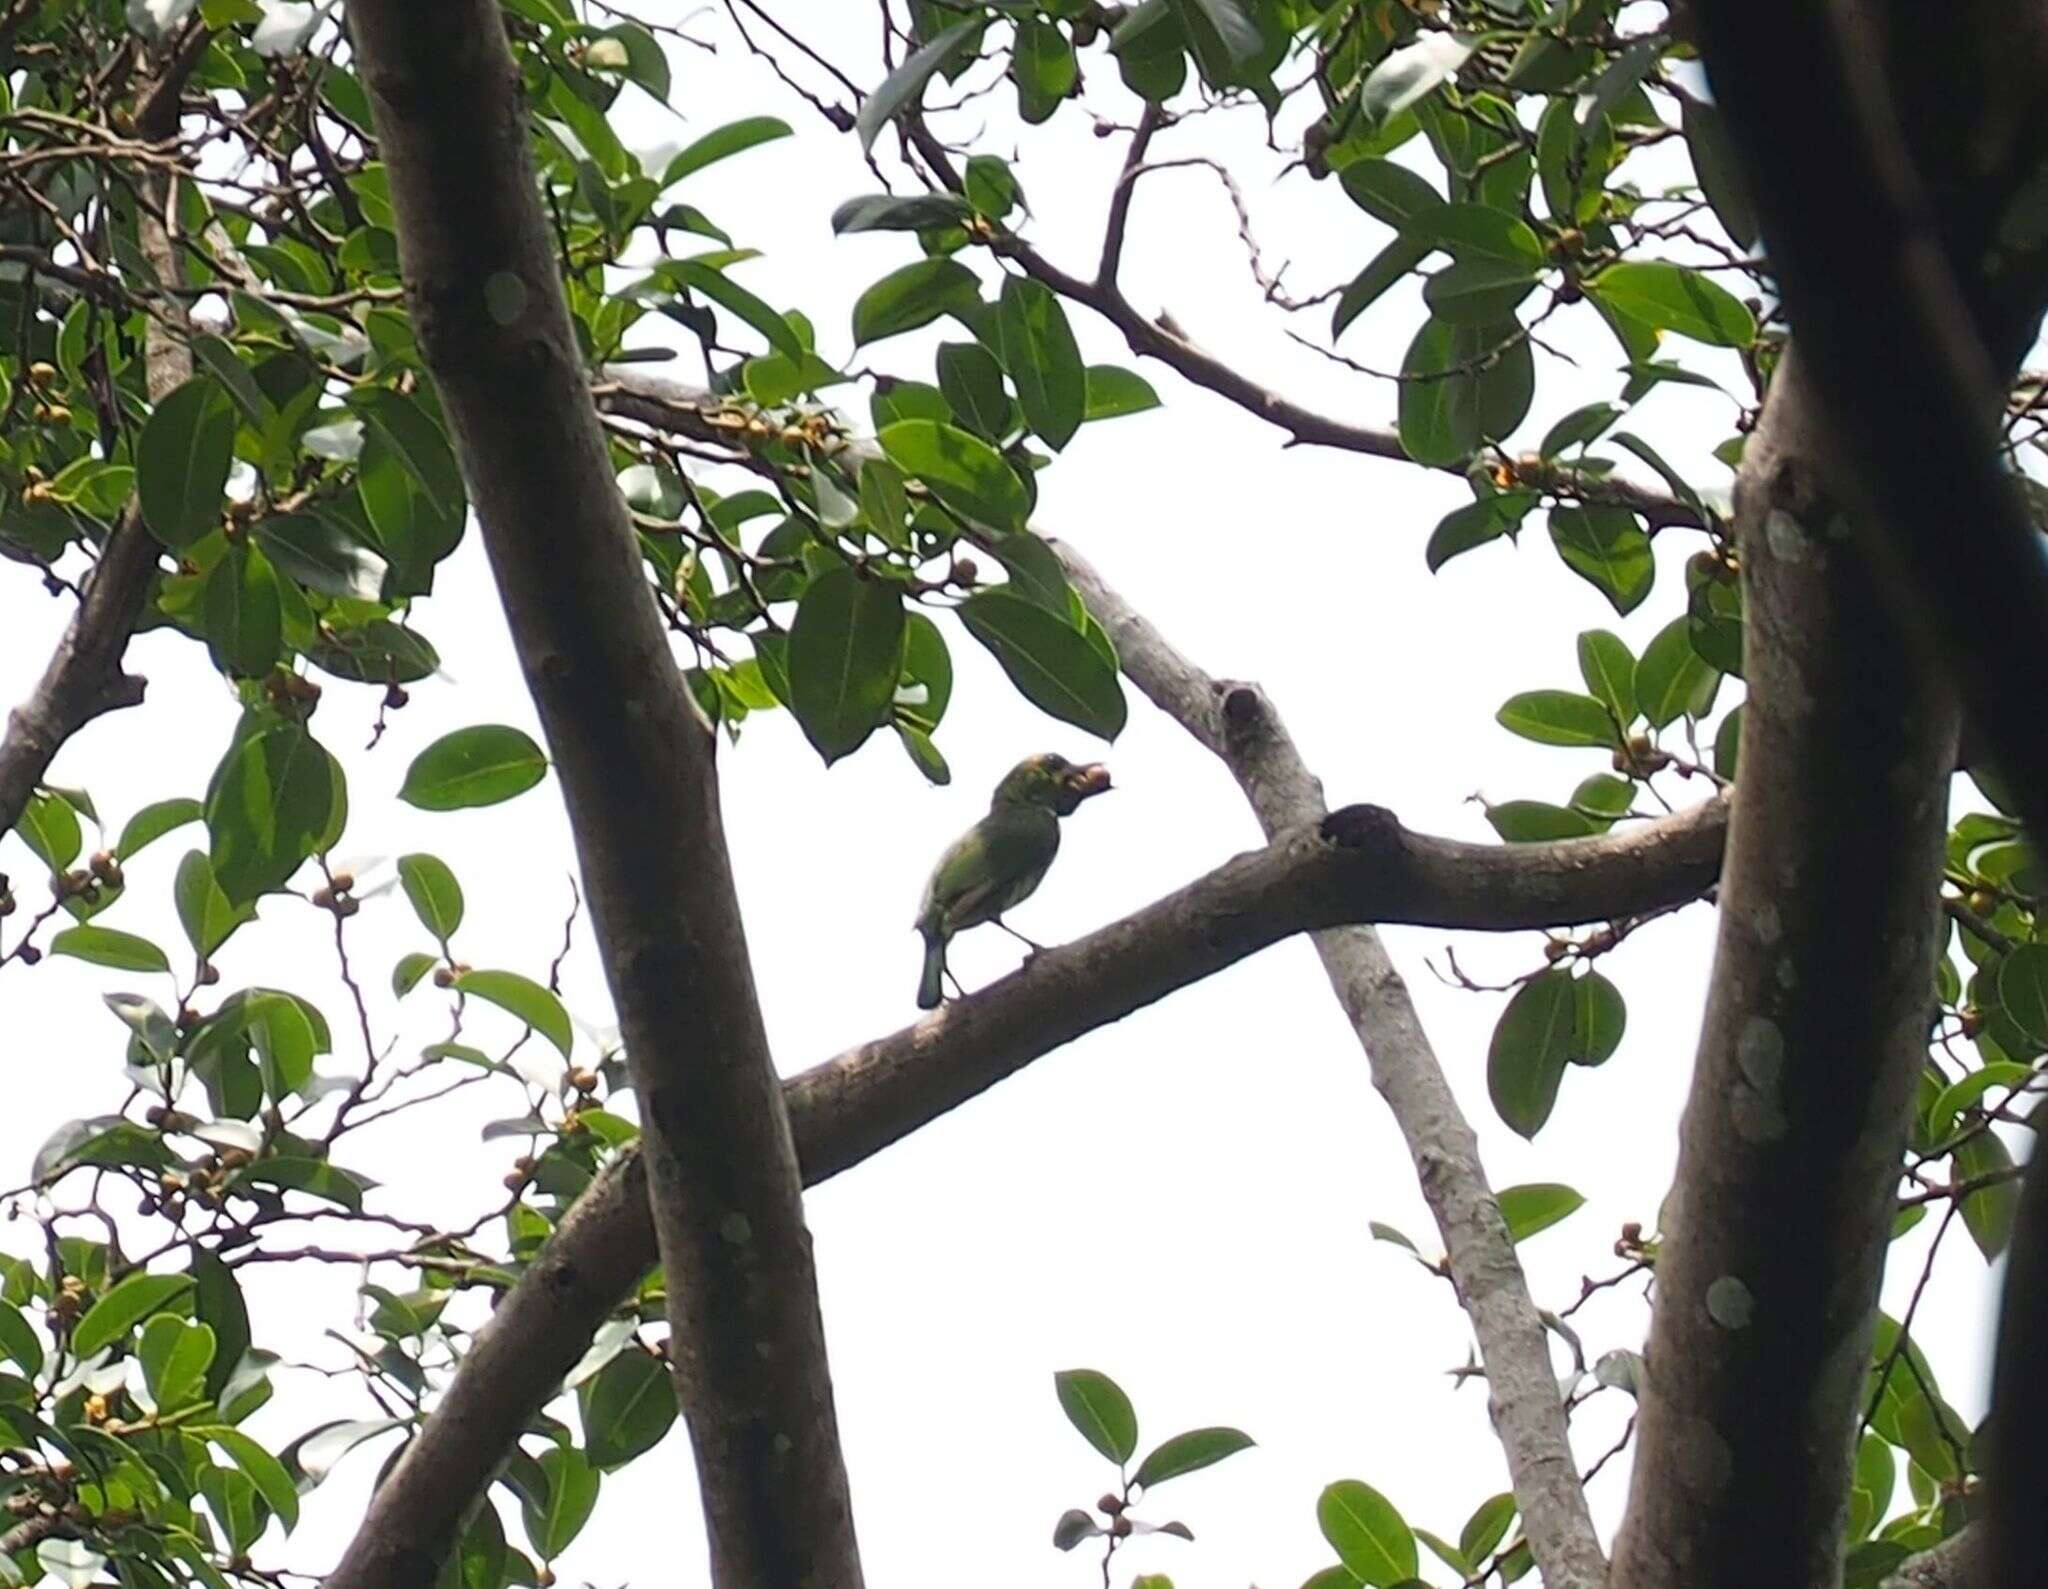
(999, 861)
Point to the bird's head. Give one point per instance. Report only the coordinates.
(1053, 782)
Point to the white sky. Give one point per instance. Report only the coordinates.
(1180, 1200)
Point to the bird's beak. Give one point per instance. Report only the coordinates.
(1085, 781)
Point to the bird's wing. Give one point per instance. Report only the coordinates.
(991, 867)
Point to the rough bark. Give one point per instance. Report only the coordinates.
(635, 760)
(1958, 1562)
(855, 1105)
(1240, 725)
(1815, 1029)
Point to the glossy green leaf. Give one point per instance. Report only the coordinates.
(1599, 1019)
(1528, 1209)
(524, 998)
(1114, 392)
(1388, 191)
(1535, 822)
(49, 826)
(1096, 1405)
(242, 613)
(904, 87)
(844, 650)
(962, 470)
(972, 380)
(478, 766)
(1530, 1049)
(1558, 717)
(1477, 233)
(1609, 670)
(1043, 360)
(1052, 664)
(1672, 680)
(1719, 170)
(1608, 549)
(1368, 1534)
(1988, 1211)
(1486, 1528)
(104, 946)
(1388, 266)
(723, 142)
(123, 1307)
(892, 212)
(1673, 298)
(175, 1355)
(208, 916)
(730, 295)
(152, 822)
(2023, 989)
(262, 1469)
(1187, 1453)
(182, 458)
(435, 894)
(1474, 524)
(268, 808)
(627, 1406)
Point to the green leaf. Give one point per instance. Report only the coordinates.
(1672, 679)
(1535, 822)
(914, 296)
(1476, 233)
(1531, 1046)
(1043, 360)
(208, 916)
(990, 186)
(478, 766)
(1387, 191)
(406, 975)
(1988, 1211)
(1367, 1533)
(729, 294)
(262, 1469)
(218, 1304)
(1114, 392)
(411, 488)
(1096, 1405)
(1053, 665)
(104, 946)
(1461, 385)
(1673, 298)
(1474, 524)
(1486, 1528)
(1043, 67)
(378, 652)
(314, 1177)
(1599, 1018)
(175, 1356)
(1528, 1209)
(1477, 292)
(122, 1308)
(905, 86)
(152, 822)
(721, 143)
(19, 1341)
(435, 894)
(972, 381)
(1610, 672)
(49, 826)
(2023, 989)
(1580, 428)
(242, 613)
(1728, 743)
(1559, 717)
(962, 470)
(1719, 170)
(182, 460)
(1385, 268)
(267, 809)
(572, 1485)
(627, 1406)
(890, 212)
(524, 998)
(1186, 1453)
(316, 550)
(844, 650)
(1608, 549)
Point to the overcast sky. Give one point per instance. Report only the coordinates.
(1180, 1200)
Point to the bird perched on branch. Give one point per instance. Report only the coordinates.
(997, 863)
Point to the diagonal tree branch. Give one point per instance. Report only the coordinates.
(1358, 865)
(635, 759)
(1240, 725)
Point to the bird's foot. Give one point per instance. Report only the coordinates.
(1036, 948)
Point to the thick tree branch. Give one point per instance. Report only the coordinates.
(853, 1106)
(1958, 1562)
(635, 760)
(1240, 725)
(1815, 1031)
(1883, 157)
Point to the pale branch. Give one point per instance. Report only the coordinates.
(636, 763)
(1815, 1032)
(1359, 865)
(1239, 724)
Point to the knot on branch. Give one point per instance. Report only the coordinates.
(1361, 827)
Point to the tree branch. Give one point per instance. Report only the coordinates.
(1240, 725)
(635, 759)
(1958, 1562)
(1359, 865)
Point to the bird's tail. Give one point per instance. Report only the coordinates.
(929, 988)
